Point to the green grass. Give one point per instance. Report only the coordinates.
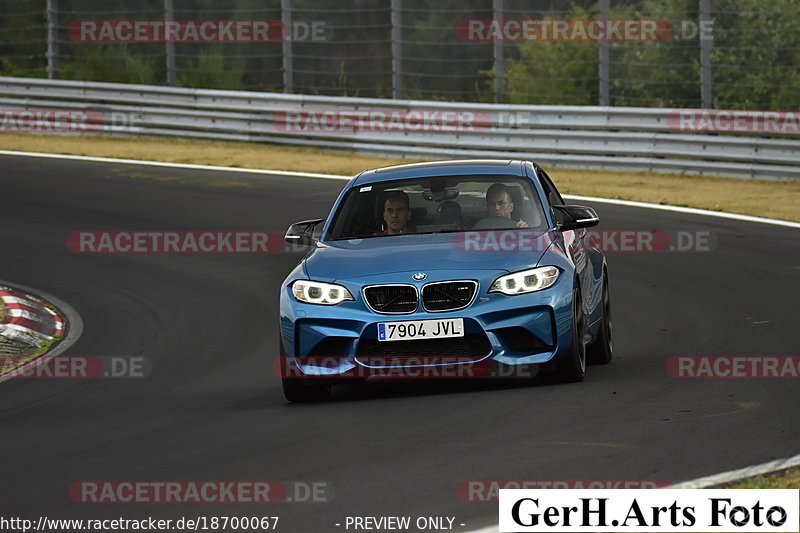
(787, 479)
(20, 360)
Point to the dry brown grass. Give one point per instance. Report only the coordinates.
(761, 198)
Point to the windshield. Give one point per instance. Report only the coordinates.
(437, 205)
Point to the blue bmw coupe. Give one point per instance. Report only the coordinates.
(443, 269)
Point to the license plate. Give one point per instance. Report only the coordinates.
(421, 329)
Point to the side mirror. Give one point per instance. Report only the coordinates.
(304, 232)
(570, 217)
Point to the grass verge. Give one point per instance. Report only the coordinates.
(786, 479)
(13, 355)
(760, 198)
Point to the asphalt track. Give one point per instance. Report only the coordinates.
(212, 409)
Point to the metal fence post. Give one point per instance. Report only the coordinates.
(288, 60)
(169, 14)
(397, 50)
(52, 39)
(706, 93)
(499, 59)
(604, 97)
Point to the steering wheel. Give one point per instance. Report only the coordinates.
(495, 223)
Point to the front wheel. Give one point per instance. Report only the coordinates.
(572, 367)
(601, 351)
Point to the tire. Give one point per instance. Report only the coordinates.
(296, 390)
(572, 367)
(601, 351)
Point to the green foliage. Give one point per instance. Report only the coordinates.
(438, 65)
(111, 62)
(660, 73)
(656, 73)
(554, 72)
(757, 54)
(8, 67)
(22, 39)
(213, 69)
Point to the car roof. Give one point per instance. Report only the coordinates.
(499, 167)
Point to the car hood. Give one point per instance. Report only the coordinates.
(502, 251)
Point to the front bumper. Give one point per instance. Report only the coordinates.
(341, 340)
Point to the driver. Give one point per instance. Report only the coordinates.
(396, 213)
(500, 204)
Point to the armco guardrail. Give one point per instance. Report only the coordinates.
(611, 138)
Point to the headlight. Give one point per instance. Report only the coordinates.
(316, 292)
(526, 281)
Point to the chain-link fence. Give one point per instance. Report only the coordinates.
(738, 54)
